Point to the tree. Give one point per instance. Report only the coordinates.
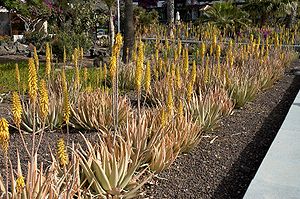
(31, 12)
(226, 16)
(272, 11)
(128, 31)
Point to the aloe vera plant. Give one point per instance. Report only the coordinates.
(243, 91)
(111, 171)
(42, 183)
(93, 110)
(53, 120)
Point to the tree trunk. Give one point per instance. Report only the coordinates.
(111, 28)
(128, 31)
(170, 16)
(170, 11)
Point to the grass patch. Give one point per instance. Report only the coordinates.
(8, 79)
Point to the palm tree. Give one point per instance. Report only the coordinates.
(226, 16)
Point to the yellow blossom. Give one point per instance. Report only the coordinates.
(44, 100)
(148, 77)
(16, 109)
(48, 60)
(4, 135)
(32, 80)
(20, 184)
(36, 58)
(139, 66)
(62, 153)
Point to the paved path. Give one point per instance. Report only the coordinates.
(278, 177)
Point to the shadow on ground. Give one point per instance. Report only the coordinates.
(243, 170)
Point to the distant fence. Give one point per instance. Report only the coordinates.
(188, 41)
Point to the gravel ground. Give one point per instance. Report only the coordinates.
(226, 160)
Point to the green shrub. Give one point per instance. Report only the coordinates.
(71, 41)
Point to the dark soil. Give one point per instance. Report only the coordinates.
(224, 163)
(226, 160)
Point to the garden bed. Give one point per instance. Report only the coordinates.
(226, 160)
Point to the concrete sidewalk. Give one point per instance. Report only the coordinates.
(278, 176)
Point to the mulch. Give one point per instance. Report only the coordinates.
(223, 164)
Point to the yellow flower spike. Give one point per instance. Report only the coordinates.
(218, 55)
(186, 62)
(167, 45)
(36, 58)
(32, 80)
(231, 60)
(170, 103)
(206, 71)
(85, 74)
(20, 184)
(139, 66)
(276, 42)
(218, 52)
(293, 39)
(194, 72)
(214, 42)
(48, 60)
(17, 74)
(258, 40)
(227, 77)
(211, 50)
(4, 135)
(179, 47)
(156, 73)
(175, 56)
(81, 53)
(197, 54)
(230, 47)
(16, 109)
(190, 89)
(44, 100)
(113, 66)
(251, 37)
(262, 50)
(65, 56)
(203, 50)
(180, 109)
(148, 77)
(119, 41)
(156, 55)
(173, 69)
(66, 102)
(62, 153)
(178, 77)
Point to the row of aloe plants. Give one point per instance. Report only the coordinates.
(181, 91)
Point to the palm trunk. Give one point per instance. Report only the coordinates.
(128, 31)
(170, 16)
(170, 11)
